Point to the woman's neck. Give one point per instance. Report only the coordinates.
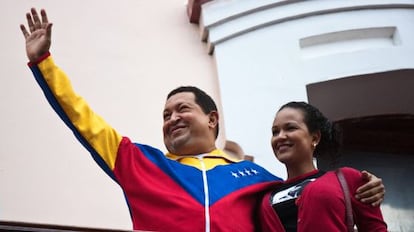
(298, 170)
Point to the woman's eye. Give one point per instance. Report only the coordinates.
(291, 128)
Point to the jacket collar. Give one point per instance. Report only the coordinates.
(217, 153)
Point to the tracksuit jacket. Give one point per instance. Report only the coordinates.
(208, 192)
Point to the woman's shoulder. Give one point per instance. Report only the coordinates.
(350, 172)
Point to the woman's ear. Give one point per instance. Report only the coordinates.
(316, 137)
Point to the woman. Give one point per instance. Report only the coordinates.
(310, 199)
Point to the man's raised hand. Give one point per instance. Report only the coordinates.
(39, 38)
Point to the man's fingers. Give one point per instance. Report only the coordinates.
(370, 199)
(45, 21)
(368, 187)
(377, 203)
(366, 175)
(373, 182)
(372, 192)
(36, 19)
(24, 30)
(49, 30)
(368, 190)
(374, 196)
(375, 200)
(30, 22)
(34, 23)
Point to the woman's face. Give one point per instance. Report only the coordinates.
(291, 140)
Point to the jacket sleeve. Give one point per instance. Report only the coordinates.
(321, 206)
(99, 138)
(366, 217)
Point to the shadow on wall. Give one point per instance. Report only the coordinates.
(235, 150)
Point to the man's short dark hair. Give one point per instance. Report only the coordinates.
(202, 99)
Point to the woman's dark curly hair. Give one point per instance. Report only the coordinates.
(330, 140)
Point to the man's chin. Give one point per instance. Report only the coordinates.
(178, 143)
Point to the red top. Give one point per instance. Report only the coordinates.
(321, 207)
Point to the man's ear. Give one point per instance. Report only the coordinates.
(213, 119)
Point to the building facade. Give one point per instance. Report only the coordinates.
(352, 59)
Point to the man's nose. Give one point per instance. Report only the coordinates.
(175, 116)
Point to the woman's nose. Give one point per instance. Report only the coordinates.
(281, 134)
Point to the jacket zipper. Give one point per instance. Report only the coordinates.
(206, 194)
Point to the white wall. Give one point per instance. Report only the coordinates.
(267, 51)
(264, 62)
(123, 57)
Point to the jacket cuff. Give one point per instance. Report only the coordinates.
(40, 59)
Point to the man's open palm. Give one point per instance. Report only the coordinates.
(39, 39)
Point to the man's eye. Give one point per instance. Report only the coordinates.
(166, 116)
(184, 108)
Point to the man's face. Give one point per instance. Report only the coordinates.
(187, 129)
